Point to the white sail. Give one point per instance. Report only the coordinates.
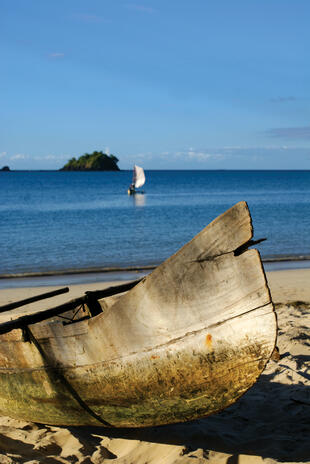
(138, 176)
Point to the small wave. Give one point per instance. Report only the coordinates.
(139, 268)
(63, 272)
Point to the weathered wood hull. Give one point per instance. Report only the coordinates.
(184, 343)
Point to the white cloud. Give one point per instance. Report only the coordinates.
(90, 18)
(300, 133)
(50, 157)
(249, 156)
(56, 55)
(227, 157)
(237, 147)
(230, 157)
(201, 155)
(144, 156)
(142, 8)
(18, 156)
(198, 155)
(283, 99)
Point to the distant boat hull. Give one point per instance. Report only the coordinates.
(184, 343)
(135, 192)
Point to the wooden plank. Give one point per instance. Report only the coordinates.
(90, 299)
(32, 299)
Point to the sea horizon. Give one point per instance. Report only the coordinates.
(84, 276)
(156, 169)
(85, 223)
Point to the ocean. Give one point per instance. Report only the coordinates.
(67, 221)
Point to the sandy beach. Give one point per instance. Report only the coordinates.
(269, 424)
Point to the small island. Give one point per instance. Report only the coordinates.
(97, 161)
(5, 168)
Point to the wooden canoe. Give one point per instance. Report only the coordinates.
(185, 342)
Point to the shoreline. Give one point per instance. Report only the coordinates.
(286, 286)
(95, 270)
(112, 274)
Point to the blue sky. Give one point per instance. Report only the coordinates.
(168, 84)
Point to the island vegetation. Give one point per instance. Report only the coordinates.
(5, 168)
(96, 161)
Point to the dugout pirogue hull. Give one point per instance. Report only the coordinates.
(185, 342)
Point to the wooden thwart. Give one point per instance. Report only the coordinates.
(90, 298)
(32, 299)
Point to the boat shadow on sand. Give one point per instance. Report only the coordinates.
(271, 420)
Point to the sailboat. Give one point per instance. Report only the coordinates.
(138, 179)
